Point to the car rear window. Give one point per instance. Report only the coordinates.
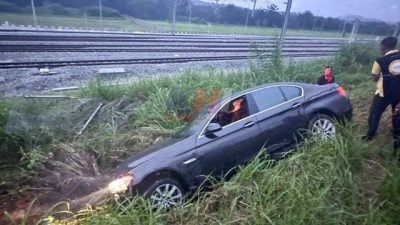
(291, 92)
(268, 97)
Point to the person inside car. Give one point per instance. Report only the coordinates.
(327, 77)
(237, 110)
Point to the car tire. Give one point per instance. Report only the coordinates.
(165, 193)
(322, 126)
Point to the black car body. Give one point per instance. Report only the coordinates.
(212, 145)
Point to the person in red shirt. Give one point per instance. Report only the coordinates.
(327, 77)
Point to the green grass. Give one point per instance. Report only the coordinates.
(321, 184)
(156, 26)
(341, 181)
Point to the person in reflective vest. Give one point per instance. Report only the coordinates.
(386, 73)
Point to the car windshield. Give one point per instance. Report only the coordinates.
(195, 125)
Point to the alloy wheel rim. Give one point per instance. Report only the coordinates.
(167, 196)
(324, 129)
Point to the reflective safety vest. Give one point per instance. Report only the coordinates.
(390, 68)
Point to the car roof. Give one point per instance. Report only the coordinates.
(239, 93)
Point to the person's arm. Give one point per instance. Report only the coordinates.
(376, 71)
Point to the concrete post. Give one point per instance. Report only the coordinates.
(101, 12)
(174, 17)
(34, 13)
(190, 11)
(285, 23)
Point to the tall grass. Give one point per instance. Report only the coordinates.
(320, 184)
(354, 57)
(168, 102)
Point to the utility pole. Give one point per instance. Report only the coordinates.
(217, 11)
(247, 18)
(174, 17)
(254, 7)
(354, 31)
(190, 10)
(344, 28)
(101, 12)
(86, 20)
(283, 31)
(34, 14)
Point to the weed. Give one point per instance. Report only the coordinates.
(320, 184)
(355, 58)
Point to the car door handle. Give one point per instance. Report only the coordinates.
(249, 124)
(297, 104)
(189, 161)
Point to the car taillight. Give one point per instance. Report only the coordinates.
(341, 91)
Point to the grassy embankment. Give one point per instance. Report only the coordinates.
(342, 181)
(155, 26)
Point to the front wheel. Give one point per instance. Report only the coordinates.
(322, 126)
(165, 193)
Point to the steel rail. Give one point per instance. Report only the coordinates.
(52, 64)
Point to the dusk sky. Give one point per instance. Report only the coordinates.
(386, 10)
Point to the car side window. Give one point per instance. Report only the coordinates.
(291, 92)
(235, 110)
(268, 97)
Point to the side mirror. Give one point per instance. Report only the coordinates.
(213, 127)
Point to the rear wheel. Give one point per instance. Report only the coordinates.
(322, 126)
(165, 193)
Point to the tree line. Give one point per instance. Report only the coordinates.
(202, 13)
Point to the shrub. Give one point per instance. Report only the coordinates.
(107, 12)
(57, 9)
(356, 57)
(198, 20)
(9, 7)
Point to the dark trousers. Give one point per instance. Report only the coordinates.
(379, 105)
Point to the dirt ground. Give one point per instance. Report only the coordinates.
(68, 177)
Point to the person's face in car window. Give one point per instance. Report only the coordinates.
(237, 105)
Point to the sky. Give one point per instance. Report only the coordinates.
(385, 10)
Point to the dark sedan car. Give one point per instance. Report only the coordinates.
(232, 132)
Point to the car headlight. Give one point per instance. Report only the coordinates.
(121, 184)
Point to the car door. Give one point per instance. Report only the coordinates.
(278, 118)
(294, 111)
(222, 151)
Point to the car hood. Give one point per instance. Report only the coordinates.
(167, 148)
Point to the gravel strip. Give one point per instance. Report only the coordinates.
(15, 82)
(27, 81)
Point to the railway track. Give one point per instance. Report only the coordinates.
(154, 38)
(180, 50)
(194, 48)
(167, 60)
